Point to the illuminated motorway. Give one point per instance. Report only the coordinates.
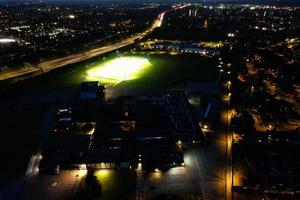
(60, 62)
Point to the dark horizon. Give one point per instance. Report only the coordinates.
(280, 2)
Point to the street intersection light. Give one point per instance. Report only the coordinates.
(120, 69)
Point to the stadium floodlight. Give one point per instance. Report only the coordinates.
(120, 69)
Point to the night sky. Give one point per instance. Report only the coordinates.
(165, 1)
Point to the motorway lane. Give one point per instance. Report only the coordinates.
(16, 73)
(47, 66)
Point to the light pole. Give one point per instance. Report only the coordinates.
(228, 138)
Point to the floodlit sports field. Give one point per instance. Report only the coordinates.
(132, 69)
(119, 69)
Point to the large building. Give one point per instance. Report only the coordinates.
(148, 131)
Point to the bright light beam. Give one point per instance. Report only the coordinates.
(7, 40)
(120, 69)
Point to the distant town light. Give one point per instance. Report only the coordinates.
(71, 16)
(270, 126)
(231, 35)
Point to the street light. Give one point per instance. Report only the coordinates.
(139, 165)
(228, 123)
(228, 84)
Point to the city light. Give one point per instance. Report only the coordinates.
(139, 165)
(91, 132)
(120, 69)
(82, 172)
(176, 171)
(82, 167)
(157, 174)
(7, 40)
(144, 109)
(160, 20)
(231, 35)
